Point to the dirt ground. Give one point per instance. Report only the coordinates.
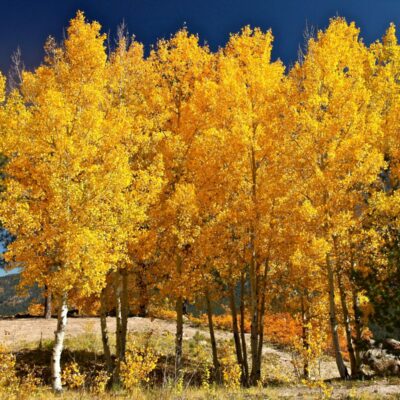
(15, 333)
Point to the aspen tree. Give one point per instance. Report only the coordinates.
(181, 63)
(63, 176)
(135, 116)
(249, 85)
(335, 135)
(384, 83)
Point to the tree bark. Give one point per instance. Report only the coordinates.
(217, 366)
(254, 375)
(47, 303)
(262, 298)
(305, 338)
(104, 334)
(143, 295)
(357, 326)
(124, 312)
(254, 281)
(346, 318)
(245, 378)
(235, 329)
(58, 344)
(179, 336)
(333, 322)
(179, 325)
(118, 330)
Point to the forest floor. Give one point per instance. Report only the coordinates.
(31, 339)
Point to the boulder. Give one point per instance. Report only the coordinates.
(382, 358)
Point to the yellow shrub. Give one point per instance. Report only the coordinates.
(163, 313)
(100, 382)
(231, 372)
(11, 387)
(72, 377)
(325, 390)
(36, 310)
(137, 366)
(8, 379)
(28, 385)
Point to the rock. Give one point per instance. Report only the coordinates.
(383, 358)
(392, 346)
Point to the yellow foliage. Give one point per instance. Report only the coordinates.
(8, 379)
(72, 376)
(231, 371)
(137, 366)
(324, 388)
(100, 382)
(36, 309)
(11, 386)
(199, 171)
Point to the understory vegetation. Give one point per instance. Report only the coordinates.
(149, 372)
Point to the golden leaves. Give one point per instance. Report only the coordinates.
(82, 170)
(216, 159)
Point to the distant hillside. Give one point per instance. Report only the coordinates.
(12, 302)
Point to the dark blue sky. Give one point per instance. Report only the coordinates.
(27, 23)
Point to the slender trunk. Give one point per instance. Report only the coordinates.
(58, 344)
(254, 281)
(143, 295)
(179, 325)
(357, 326)
(262, 297)
(260, 337)
(119, 329)
(124, 312)
(346, 318)
(305, 339)
(217, 366)
(254, 324)
(118, 315)
(235, 329)
(242, 332)
(179, 336)
(357, 313)
(333, 322)
(47, 303)
(104, 333)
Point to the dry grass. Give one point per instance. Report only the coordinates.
(31, 340)
(17, 334)
(375, 391)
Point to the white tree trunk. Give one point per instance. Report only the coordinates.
(104, 333)
(334, 323)
(58, 344)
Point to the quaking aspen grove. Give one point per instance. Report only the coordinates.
(137, 183)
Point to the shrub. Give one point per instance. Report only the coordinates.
(72, 377)
(231, 372)
(100, 382)
(8, 379)
(137, 366)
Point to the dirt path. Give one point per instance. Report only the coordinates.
(14, 333)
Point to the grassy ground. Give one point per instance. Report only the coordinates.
(31, 345)
(380, 389)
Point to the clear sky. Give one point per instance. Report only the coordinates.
(27, 23)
